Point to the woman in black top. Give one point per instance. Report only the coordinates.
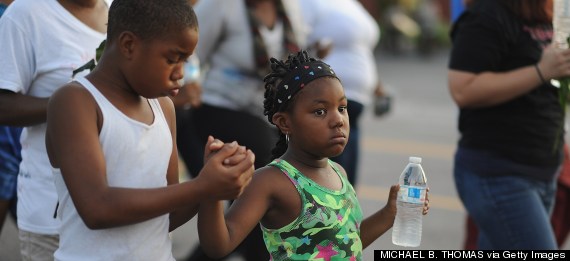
(510, 120)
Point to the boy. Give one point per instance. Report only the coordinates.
(110, 141)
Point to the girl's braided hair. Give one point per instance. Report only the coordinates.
(280, 75)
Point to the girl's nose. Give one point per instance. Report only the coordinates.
(339, 119)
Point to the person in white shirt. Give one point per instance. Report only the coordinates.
(42, 43)
(353, 34)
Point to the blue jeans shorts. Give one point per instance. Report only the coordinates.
(9, 161)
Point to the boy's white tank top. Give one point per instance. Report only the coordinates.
(136, 156)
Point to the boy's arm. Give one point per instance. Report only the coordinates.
(73, 145)
(220, 235)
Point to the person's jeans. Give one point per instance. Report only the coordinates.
(511, 211)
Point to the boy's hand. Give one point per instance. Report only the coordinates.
(228, 168)
(213, 145)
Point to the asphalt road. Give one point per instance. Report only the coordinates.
(422, 123)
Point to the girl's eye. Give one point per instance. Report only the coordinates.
(342, 108)
(170, 61)
(320, 112)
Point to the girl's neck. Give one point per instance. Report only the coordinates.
(304, 160)
(316, 169)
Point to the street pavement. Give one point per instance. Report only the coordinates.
(422, 123)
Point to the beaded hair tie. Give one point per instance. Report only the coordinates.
(299, 77)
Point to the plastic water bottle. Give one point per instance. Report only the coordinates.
(561, 23)
(407, 229)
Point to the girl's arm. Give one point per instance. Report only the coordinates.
(220, 235)
(378, 223)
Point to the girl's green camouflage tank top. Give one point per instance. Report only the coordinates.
(328, 227)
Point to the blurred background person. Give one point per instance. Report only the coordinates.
(510, 149)
(349, 34)
(189, 97)
(38, 54)
(237, 38)
(9, 159)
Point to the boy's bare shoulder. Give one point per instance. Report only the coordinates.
(73, 90)
(72, 99)
(166, 104)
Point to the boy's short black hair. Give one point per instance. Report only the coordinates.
(150, 18)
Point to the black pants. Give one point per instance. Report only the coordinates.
(227, 125)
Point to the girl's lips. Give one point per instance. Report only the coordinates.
(341, 138)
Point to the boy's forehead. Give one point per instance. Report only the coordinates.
(187, 38)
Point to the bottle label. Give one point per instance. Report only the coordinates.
(412, 194)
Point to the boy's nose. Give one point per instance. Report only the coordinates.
(178, 74)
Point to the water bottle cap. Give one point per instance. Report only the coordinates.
(416, 160)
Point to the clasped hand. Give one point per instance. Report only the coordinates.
(228, 169)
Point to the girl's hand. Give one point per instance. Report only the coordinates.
(392, 197)
(426, 203)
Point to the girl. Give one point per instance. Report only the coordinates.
(307, 208)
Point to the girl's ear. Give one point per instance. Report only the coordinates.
(281, 120)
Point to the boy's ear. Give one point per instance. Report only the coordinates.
(127, 42)
(281, 120)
